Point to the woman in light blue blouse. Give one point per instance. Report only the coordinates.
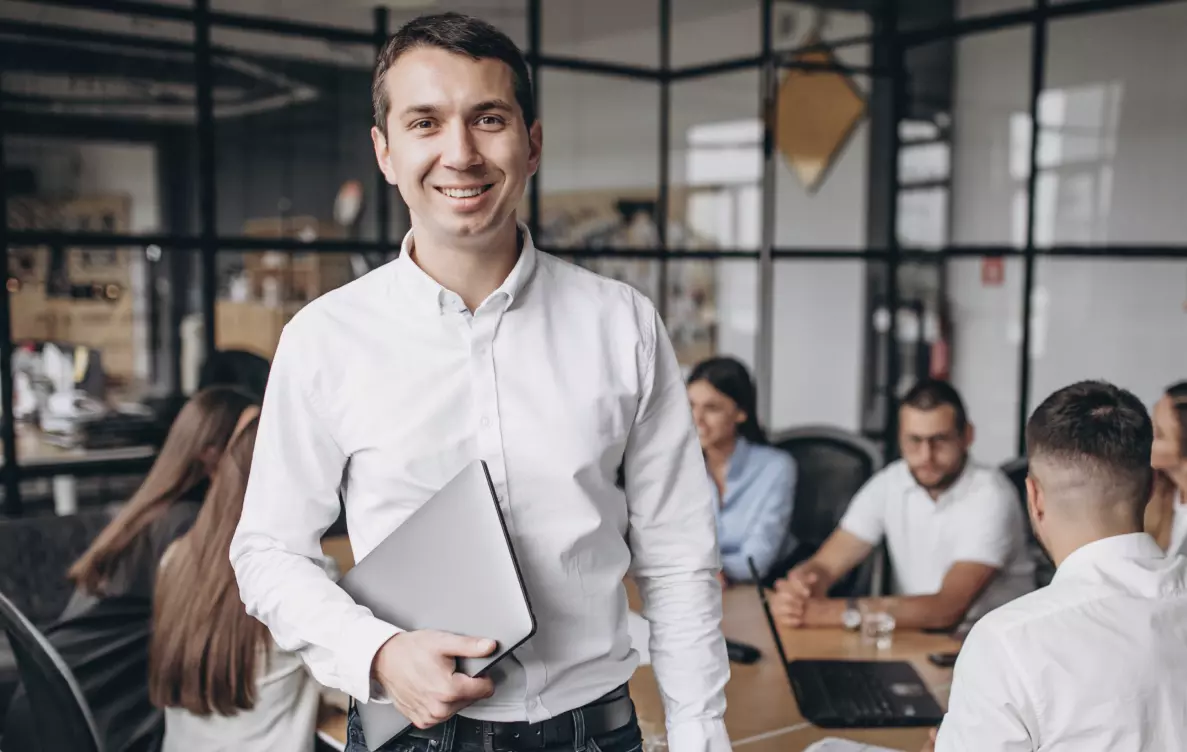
(754, 482)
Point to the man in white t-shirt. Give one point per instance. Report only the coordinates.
(954, 530)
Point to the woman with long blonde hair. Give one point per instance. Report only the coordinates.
(222, 681)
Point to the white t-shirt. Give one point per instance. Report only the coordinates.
(978, 519)
(284, 716)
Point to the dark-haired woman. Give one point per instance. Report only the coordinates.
(754, 482)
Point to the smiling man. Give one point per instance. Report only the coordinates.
(954, 530)
(473, 345)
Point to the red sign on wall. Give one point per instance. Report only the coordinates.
(993, 271)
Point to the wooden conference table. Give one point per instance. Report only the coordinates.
(761, 713)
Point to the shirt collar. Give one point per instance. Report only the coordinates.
(427, 295)
(737, 463)
(1088, 557)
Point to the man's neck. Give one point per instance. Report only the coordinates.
(470, 272)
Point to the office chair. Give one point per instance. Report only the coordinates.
(832, 464)
(63, 719)
(1016, 470)
(35, 553)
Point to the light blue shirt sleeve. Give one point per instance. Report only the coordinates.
(756, 523)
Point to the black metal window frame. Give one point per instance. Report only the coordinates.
(889, 44)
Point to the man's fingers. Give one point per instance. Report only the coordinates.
(462, 647)
(465, 689)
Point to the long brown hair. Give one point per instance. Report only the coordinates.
(1160, 515)
(202, 426)
(204, 644)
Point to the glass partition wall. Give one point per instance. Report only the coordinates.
(846, 201)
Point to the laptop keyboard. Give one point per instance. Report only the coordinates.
(855, 694)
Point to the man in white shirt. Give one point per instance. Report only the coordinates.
(954, 530)
(473, 345)
(1097, 659)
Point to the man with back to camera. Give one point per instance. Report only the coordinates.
(473, 345)
(954, 530)
(1095, 660)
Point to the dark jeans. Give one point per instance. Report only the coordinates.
(628, 738)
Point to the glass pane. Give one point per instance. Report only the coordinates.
(290, 133)
(707, 31)
(798, 24)
(1114, 319)
(924, 15)
(716, 163)
(93, 129)
(1112, 167)
(629, 35)
(258, 292)
(600, 168)
(821, 153)
(990, 131)
(982, 327)
(353, 16)
(99, 338)
(819, 343)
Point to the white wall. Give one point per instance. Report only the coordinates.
(600, 133)
(1114, 171)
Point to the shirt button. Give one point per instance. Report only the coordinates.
(485, 422)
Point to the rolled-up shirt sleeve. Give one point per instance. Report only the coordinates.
(675, 559)
(291, 500)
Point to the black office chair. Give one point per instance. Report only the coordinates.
(1016, 470)
(832, 464)
(60, 713)
(35, 553)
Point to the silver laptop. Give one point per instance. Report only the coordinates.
(449, 567)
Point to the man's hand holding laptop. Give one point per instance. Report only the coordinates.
(418, 671)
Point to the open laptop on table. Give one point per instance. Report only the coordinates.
(855, 694)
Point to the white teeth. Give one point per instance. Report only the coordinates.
(462, 192)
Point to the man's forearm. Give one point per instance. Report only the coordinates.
(688, 657)
(910, 612)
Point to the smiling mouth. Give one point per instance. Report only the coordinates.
(465, 192)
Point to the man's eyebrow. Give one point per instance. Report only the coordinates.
(492, 104)
(418, 109)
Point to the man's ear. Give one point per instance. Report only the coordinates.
(379, 140)
(535, 146)
(970, 434)
(1035, 503)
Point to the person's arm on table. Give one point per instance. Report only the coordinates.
(291, 501)
(769, 529)
(988, 706)
(673, 540)
(943, 610)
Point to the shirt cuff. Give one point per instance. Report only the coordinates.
(699, 736)
(360, 644)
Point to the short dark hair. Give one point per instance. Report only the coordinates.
(730, 377)
(929, 394)
(461, 35)
(1100, 430)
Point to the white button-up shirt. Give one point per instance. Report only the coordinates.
(390, 385)
(1096, 660)
(978, 519)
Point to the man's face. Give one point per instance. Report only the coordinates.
(456, 143)
(934, 448)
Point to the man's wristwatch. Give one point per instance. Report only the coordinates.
(851, 617)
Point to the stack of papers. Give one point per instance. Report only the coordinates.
(844, 745)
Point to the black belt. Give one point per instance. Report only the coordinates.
(608, 713)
